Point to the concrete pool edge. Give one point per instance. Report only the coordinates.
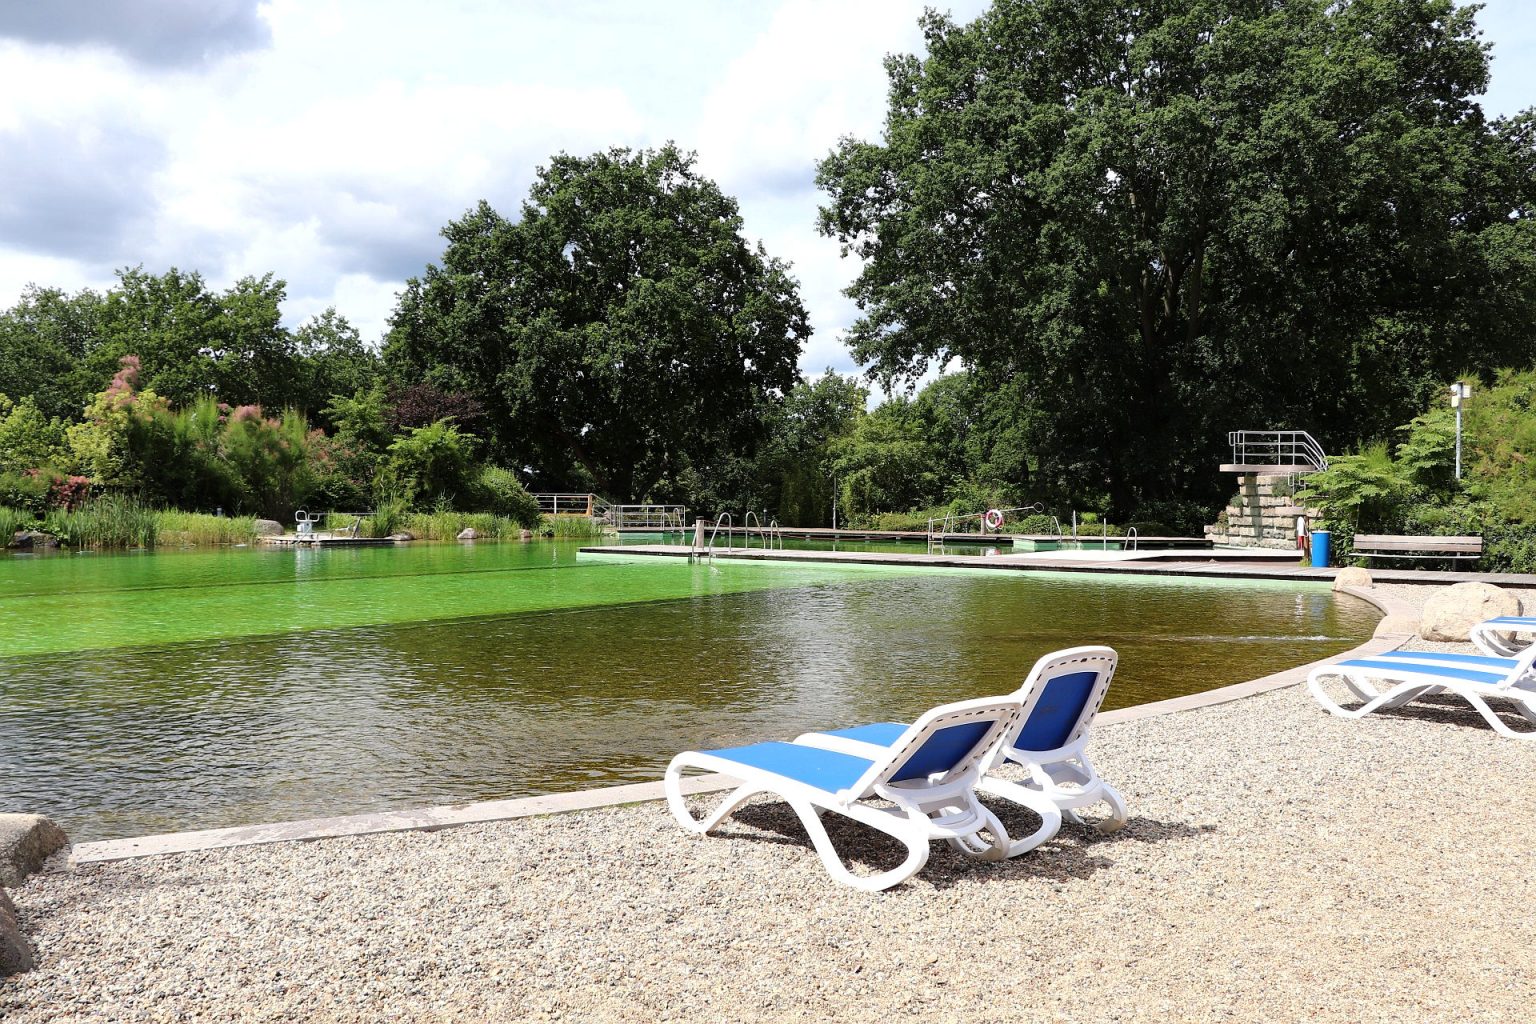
(1396, 626)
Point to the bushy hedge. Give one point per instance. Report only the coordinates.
(1410, 488)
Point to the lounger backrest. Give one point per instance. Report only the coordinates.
(1060, 697)
(946, 743)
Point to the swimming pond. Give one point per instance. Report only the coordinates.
(144, 693)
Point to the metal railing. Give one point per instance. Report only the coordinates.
(724, 518)
(1276, 448)
(662, 518)
(955, 523)
(572, 505)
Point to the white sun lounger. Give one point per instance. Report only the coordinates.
(1499, 637)
(928, 773)
(1059, 699)
(1415, 674)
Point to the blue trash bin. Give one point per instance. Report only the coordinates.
(1320, 549)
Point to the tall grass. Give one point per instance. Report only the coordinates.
(198, 529)
(12, 521)
(109, 522)
(443, 525)
(570, 527)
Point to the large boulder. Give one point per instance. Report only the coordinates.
(1353, 576)
(26, 840)
(32, 540)
(15, 950)
(267, 528)
(469, 533)
(1450, 613)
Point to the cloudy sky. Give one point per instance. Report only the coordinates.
(329, 142)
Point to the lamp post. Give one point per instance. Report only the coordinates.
(1460, 392)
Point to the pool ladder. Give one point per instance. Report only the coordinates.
(768, 532)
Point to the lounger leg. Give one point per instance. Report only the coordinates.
(672, 783)
(1050, 814)
(972, 845)
(1492, 718)
(1374, 700)
(1118, 815)
(911, 833)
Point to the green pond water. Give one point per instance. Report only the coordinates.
(142, 693)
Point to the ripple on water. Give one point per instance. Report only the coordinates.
(152, 693)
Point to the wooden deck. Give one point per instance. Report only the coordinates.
(290, 540)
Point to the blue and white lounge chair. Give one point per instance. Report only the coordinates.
(928, 773)
(1499, 637)
(1415, 674)
(1058, 699)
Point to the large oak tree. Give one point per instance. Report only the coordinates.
(1170, 219)
(619, 332)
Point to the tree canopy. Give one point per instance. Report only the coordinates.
(1169, 220)
(619, 333)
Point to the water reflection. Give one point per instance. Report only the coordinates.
(330, 720)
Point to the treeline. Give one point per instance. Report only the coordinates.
(1136, 227)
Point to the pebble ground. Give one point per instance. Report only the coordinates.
(1279, 865)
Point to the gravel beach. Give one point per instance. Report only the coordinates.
(1279, 864)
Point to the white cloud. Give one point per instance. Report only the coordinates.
(331, 142)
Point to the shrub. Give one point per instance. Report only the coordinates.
(28, 439)
(1172, 518)
(1035, 522)
(499, 492)
(430, 465)
(26, 491)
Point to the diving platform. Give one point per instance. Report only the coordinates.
(1274, 453)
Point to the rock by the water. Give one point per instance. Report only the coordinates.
(26, 840)
(469, 533)
(403, 535)
(1452, 612)
(267, 528)
(1353, 576)
(525, 535)
(29, 540)
(15, 950)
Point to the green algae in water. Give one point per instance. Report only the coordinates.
(148, 693)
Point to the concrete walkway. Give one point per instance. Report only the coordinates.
(1219, 564)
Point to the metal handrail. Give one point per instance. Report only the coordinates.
(723, 517)
(662, 517)
(1132, 538)
(587, 504)
(1276, 448)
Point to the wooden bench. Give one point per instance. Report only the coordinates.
(1370, 545)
